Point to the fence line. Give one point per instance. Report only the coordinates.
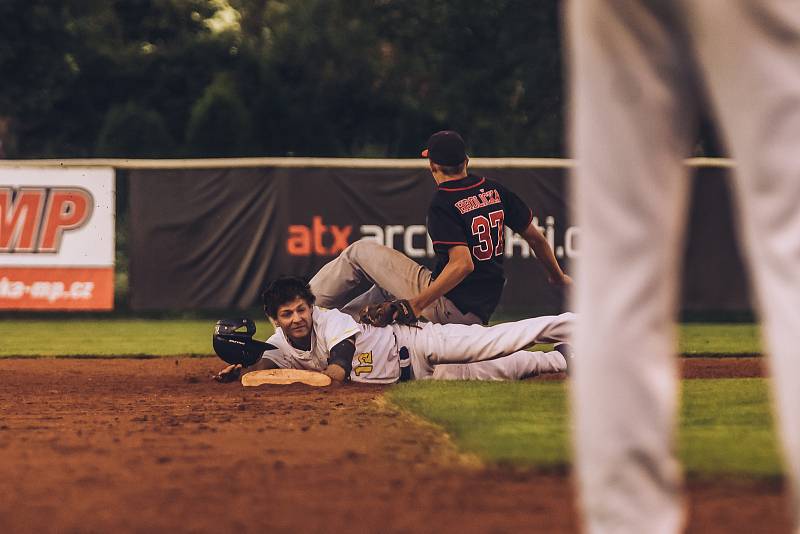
(358, 163)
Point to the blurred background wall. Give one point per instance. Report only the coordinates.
(318, 78)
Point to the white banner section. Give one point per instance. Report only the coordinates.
(56, 238)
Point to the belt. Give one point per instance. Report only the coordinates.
(406, 373)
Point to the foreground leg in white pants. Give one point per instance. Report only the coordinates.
(630, 135)
(632, 80)
(755, 86)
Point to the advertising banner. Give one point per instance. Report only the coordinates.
(209, 239)
(56, 238)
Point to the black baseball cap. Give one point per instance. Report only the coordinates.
(445, 148)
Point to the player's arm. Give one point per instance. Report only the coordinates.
(234, 372)
(545, 255)
(519, 217)
(235, 348)
(459, 265)
(340, 362)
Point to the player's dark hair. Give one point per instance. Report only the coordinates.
(451, 170)
(284, 290)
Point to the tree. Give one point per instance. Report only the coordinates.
(311, 77)
(131, 130)
(219, 124)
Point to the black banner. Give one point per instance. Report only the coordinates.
(209, 239)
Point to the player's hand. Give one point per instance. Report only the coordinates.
(386, 313)
(229, 374)
(335, 372)
(560, 281)
(415, 307)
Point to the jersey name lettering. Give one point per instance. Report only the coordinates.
(485, 198)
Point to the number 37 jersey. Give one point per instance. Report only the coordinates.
(474, 211)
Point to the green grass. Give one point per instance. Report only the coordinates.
(110, 337)
(168, 337)
(714, 339)
(719, 339)
(506, 422)
(726, 427)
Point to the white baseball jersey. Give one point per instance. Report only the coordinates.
(375, 359)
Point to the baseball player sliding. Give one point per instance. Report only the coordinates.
(317, 339)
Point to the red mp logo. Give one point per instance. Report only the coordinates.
(33, 219)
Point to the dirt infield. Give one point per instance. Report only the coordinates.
(153, 445)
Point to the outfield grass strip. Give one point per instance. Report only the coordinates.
(174, 337)
(110, 337)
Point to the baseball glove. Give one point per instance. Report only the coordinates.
(386, 313)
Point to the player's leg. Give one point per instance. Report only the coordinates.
(753, 72)
(367, 261)
(374, 295)
(444, 311)
(441, 311)
(392, 274)
(631, 122)
(436, 344)
(516, 366)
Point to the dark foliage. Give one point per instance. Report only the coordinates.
(267, 77)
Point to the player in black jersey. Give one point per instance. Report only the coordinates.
(466, 223)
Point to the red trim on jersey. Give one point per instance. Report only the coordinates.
(450, 243)
(441, 188)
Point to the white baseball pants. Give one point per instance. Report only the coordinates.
(436, 344)
(637, 67)
(516, 366)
